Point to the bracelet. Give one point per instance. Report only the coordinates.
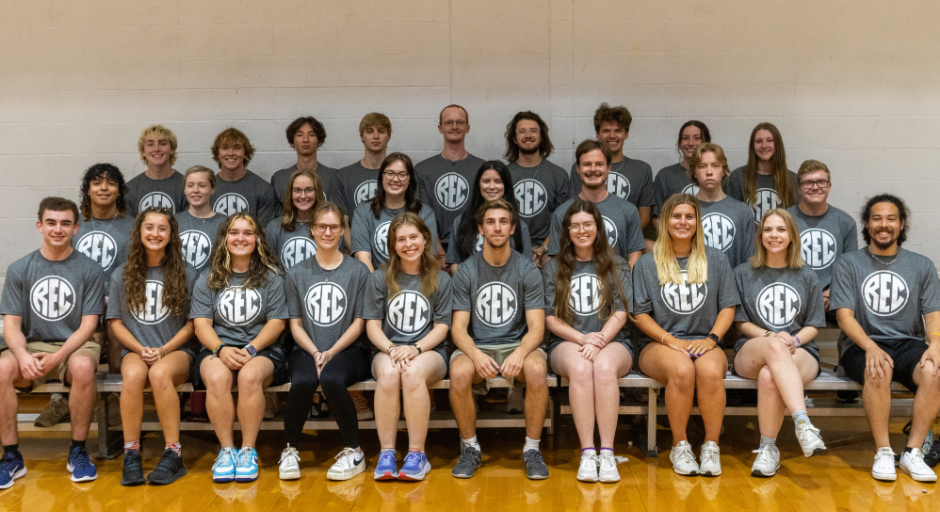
(391, 348)
(768, 333)
(937, 333)
(164, 352)
(419, 348)
(217, 350)
(798, 342)
(662, 341)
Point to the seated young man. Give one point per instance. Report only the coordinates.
(497, 326)
(883, 296)
(51, 301)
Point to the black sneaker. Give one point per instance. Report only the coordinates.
(168, 470)
(470, 460)
(133, 473)
(535, 467)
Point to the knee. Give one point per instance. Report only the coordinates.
(249, 380)
(8, 370)
(581, 371)
(776, 350)
(133, 375)
(217, 381)
(683, 376)
(83, 369)
(331, 381)
(160, 375)
(389, 379)
(884, 380)
(412, 381)
(535, 368)
(710, 373)
(765, 380)
(605, 369)
(461, 375)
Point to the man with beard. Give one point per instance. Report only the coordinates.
(884, 296)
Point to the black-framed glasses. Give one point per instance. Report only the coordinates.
(808, 185)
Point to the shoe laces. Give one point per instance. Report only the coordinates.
(808, 433)
(387, 457)
(226, 458)
(166, 462)
(244, 456)
(589, 461)
(533, 457)
(8, 462)
(132, 460)
(290, 454)
(607, 459)
(413, 458)
(764, 454)
(683, 454)
(360, 402)
(884, 455)
(79, 459)
(471, 455)
(916, 462)
(347, 457)
(710, 454)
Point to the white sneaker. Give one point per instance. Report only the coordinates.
(346, 465)
(809, 438)
(290, 464)
(767, 462)
(587, 471)
(608, 468)
(883, 469)
(711, 461)
(913, 464)
(363, 412)
(683, 460)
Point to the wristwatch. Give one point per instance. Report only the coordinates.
(251, 350)
(714, 337)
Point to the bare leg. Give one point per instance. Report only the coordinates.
(134, 372)
(611, 363)
(81, 378)
(425, 369)
(710, 370)
(9, 378)
(462, 376)
(165, 375)
(926, 403)
(387, 393)
(775, 355)
(533, 373)
(876, 395)
(219, 404)
(675, 370)
(568, 363)
(252, 379)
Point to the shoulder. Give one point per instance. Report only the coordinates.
(640, 165)
(355, 166)
(274, 226)
(621, 204)
(378, 275)
(841, 215)
(526, 265)
(118, 273)
(806, 272)
(21, 265)
(734, 204)
(353, 264)
(645, 262)
(852, 259)
(919, 260)
(364, 207)
(738, 173)
(551, 268)
(443, 279)
(426, 212)
(745, 269)
(715, 256)
(191, 274)
(556, 169)
(562, 208)
(428, 164)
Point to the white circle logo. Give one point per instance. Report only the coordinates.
(239, 306)
(451, 191)
(531, 196)
(684, 299)
(818, 247)
(778, 304)
(719, 230)
(690, 189)
(380, 239)
(52, 298)
(496, 304)
(611, 230)
(885, 293)
(618, 185)
(99, 246)
(408, 312)
(197, 247)
(767, 199)
(231, 203)
(365, 191)
(585, 294)
(296, 250)
(325, 303)
(157, 199)
(154, 311)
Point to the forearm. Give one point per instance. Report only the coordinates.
(932, 322)
(434, 338)
(13, 335)
(563, 330)
(807, 334)
(366, 258)
(300, 336)
(124, 336)
(462, 338)
(348, 337)
(268, 335)
(633, 257)
(645, 323)
(645, 214)
(852, 329)
(377, 336)
(723, 323)
(535, 321)
(182, 337)
(84, 333)
(206, 334)
(750, 330)
(613, 325)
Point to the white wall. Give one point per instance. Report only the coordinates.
(851, 83)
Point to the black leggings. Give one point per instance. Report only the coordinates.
(349, 367)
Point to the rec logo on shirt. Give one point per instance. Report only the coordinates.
(767, 199)
(380, 239)
(231, 203)
(239, 306)
(451, 191)
(197, 247)
(690, 189)
(296, 250)
(409, 312)
(158, 199)
(325, 303)
(99, 246)
(585, 294)
(611, 230)
(618, 185)
(818, 248)
(154, 312)
(719, 230)
(885, 293)
(496, 304)
(52, 298)
(531, 196)
(684, 299)
(778, 304)
(365, 191)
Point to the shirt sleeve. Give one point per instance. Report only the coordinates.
(361, 284)
(94, 291)
(277, 304)
(554, 232)
(646, 196)
(659, 193)
(548, 282)
(626, 282)
(930, 290)
(562, 187)
(642, 300)
(340, 199)
(574, 182)
(463, 299)
(750, 237)
(849, 234)
(374, 308)
(842, 289)
(267, 203)
(815, 306)
(635, 241)
(734, 187)
(444, 304)
(452, 245)
(427, 215)
(740, 282)
(362, 229)
(423, 193)
(116, 296)
(727, 291)
(201, 303)
(12, 301)
(532, 287)
(294, 307)
(526, 241)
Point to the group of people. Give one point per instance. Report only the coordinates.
(474, 269)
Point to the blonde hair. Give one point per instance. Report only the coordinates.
(375, 120)
(667, 266)
(228, 138)
(161, 133)
(199, 168)
(715, 149)
(794, 250)
(813, 166)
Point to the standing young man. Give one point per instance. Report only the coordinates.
(305, 135)
(356, 183)
(52, 299)
(728, 224)
(105, 228)
(238, 189)
(160, 184)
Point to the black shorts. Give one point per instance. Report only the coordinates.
(906, 357)
(275, 353)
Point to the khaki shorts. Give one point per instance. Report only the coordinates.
(58, 373)
(499, 352)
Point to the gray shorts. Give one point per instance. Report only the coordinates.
(499, 352)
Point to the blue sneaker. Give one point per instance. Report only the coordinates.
(386, 468)
(80, 466)
(415, 467)
(11, 468)
(224, 468)
(246, 465)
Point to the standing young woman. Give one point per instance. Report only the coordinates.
(587, 296)
(407, 312)
(781, 309)
(765, 182)
(290, 234)
(199, 225)
(675, 178)
(238, 311)
(684, 299)
(150, 318)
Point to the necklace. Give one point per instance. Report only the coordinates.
(886, 263)
(622, 163)
(94, 223)
(323, 271)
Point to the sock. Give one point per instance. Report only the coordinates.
(908, 449)
(14, 449)
(359, 454)
(531, 444)
(176, 447)
(77, 444)
(414, 450)
(611, 450)
(132, 445)
(767, 441)
(801, 417)
(472, 442)
(588, 451)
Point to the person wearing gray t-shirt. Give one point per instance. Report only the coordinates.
(290, 235)
(357, 183)
(238, 190)
(675, 179)
(765, 182)
(106, 225)
(199, 224)
(306, 136)
(160, 184)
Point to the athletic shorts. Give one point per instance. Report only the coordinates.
(275, 353)
(906, 357)
(499, 352)
(58, 373)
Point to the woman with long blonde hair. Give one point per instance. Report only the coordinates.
(765, 182)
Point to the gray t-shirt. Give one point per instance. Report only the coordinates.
(729, 227)
(621, 221)
(453, 255)
(687, 311)
(371, 235)
(197, 236)
(292, 247)
(492, 294)
(279, 181)
(670, 180)
(889, 301)
(238, 314)
(250, 194)
(824, 238)
(767, 198)
(354, 185)
(327, 301)
(445, 186)
(539, 190)
(154, 326)
(585, 298)
(630, 179)
(409, 316)
(779, 300)
(144, 192)
(105, 241)
(52, 296)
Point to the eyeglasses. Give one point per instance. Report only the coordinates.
(459, 123)
(306, 191)
(321, 228)
(389, 175)
(808, 185)
(587, 227)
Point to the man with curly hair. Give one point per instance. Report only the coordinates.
(237, 189)
(160, 185)
(106, 223)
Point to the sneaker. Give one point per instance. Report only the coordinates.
(587, 471)
(767, 462)
(608, 468)
(711, 461)
(320, 409)
(386, 468)
(80, 466)
(56, 411)
(416, 466)
(683, 460)
(346, 465)
(883, 468)
(515, 401)
(246, 465)
(912, 463)
(363, 412)
(223, 470)
(289, 465)
(535, 468)
(809, 438)
(271, 406)
(168, 470)
(11, 468)
(132, 474)
(470, 459)
(114, 409)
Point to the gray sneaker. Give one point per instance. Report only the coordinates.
(53, 413)
(470, 460)
(535, 467)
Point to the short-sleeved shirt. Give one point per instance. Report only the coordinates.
(144, 192)
(630, 179)
(492, 295)
(155, 325)
(539, 190)
(453, 254)
(292, 247)
(586, 298)
(779, 300)
(673, 179)
(889, 301)
(327, 301)
(767, 197)
(105, 241)
(621, 222)
(249, 194)
(52, 296)
(197, 236)
(280, 181)
(824, 238)
(238, 314)
(728, 226)
(354, 185)
(409, 316)
(371, 235)
(445, 186)
(687, 311)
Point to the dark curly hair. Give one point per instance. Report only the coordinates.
(903, 213)
(102, 171)
(175, 294)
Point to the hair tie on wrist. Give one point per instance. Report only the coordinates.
(663, 341)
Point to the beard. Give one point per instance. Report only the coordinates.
(532, 151)
(884, 246)
(500, 245)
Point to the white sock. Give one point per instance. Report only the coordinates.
(588, 452)
(359, 454)
(472, 442)
(531, 444)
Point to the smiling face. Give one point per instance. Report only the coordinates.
(157, 152)
(593, 168)
(682, 223)
(709, 172)
(155, 232)
(375, 139)
(395, 179)
(198, 189)
(764, 146)
(884, 225)
(775, 237)
(306, 142)
(409, 243)
(303, 193)
(103, 192)
(327, 231)
(240, 240)
(690, 140)
(613, 135)
(815, 187)
(232, 157)
(497, 227)
(491, 185)
(583, 230)
(528, 136)
(57, 229)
